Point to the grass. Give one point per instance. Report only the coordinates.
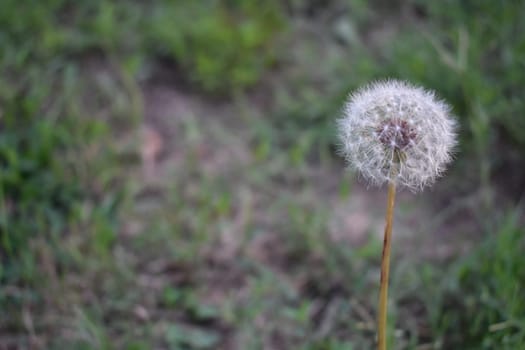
(491, 311)
(245, 232)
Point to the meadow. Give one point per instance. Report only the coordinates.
(169, 176)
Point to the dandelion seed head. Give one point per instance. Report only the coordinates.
(394, 124)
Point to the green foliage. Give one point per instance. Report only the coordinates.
(191, 338)
(484, 307)
(37, 189)
(223, 46)
(42, 192)
(47, 190)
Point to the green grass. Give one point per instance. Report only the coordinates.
(235, 242)
(483, 299)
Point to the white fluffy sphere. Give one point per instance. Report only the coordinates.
(393, 131)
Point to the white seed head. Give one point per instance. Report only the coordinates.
(393, 131)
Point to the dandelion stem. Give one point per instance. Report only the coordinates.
(385, 268)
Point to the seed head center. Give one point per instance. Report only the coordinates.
(396, 134)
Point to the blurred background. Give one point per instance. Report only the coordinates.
(169, 177)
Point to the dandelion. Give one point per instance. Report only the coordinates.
(396, 133)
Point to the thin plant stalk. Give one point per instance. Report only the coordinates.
(385, 268)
